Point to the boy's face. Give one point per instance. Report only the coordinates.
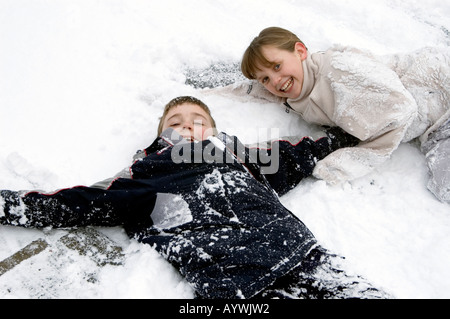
(285, 77)
(190, 121)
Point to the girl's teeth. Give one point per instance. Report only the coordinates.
(287, 85)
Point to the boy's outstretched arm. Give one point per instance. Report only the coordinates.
(288, 160)
(125, 202)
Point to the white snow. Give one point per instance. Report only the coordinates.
(83, 84)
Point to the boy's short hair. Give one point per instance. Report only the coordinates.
(181, 100)
(273, 36)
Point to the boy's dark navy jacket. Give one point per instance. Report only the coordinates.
(210, 208)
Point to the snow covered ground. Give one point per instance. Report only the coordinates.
(82, 86)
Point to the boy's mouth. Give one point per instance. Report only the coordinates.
(286, 86)
(189, 138)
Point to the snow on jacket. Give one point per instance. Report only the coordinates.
(219, 222)
(382, 101)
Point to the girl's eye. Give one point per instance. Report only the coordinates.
(174, 124)
(199, 123)
(277, 67)
(265, 80)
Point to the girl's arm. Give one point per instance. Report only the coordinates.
(372, 104)
(244, 90)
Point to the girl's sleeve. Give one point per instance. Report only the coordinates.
(244, 90)
(352, 162)
(372, 104)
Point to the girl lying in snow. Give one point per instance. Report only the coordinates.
(382, 101)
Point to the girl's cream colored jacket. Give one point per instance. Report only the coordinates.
(382, 100)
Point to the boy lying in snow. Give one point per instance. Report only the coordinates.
(210, 206)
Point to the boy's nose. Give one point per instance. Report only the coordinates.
(187, 126)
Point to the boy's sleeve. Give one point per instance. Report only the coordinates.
(126, 202)
(287, 161)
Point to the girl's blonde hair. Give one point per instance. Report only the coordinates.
(181, 100)
(274, 36)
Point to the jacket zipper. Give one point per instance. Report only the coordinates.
(288, 107)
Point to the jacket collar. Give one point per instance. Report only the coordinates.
(308, 79)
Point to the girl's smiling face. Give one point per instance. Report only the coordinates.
(190, 121)
(284, 77)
